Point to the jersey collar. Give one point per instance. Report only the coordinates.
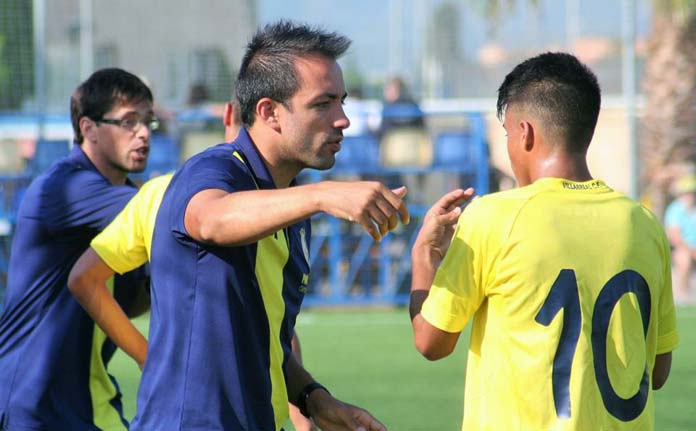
(256, 163)
(591, 186)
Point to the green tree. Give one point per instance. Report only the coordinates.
(669, 85)
(16, 53)
(4, 70)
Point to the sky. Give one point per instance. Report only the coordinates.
(383, 44)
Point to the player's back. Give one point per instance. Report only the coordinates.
(578, 303)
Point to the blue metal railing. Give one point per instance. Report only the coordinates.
(348, 267)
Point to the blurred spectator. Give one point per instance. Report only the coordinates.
(680, 222)
(404, 142)
(27, 149)
(201, 111)
(399, 109)
(198, 94)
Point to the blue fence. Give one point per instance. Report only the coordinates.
(348, 267)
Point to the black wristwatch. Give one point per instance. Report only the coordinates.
(304, 396)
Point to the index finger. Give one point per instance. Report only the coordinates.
(369, 422)
(455, 198)
(398, 203)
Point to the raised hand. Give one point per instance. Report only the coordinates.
(439, 222)
(369, 203)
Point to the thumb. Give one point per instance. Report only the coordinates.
(400, 191)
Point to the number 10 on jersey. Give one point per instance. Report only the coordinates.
(564, 296)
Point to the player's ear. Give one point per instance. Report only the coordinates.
(527, 135)
(231, 120)
(88, 128)
(267, 112)
(228, 115)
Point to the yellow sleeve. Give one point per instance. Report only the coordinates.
(667, 335)
(122, 244)
(459, 286)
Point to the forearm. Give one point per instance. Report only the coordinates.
(296, 348)
(430, 341)
(424, 266)
(87, 283)
(111, 318)
(297, 379)
(230, 219)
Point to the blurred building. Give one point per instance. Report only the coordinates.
(172, 44)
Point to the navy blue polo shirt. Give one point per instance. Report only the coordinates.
(222, 317)
(52, 360)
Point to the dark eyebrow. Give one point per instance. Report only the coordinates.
(149, 113)
(331, 96)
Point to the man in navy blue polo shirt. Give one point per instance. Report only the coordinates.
(52, 358)
(230, 249)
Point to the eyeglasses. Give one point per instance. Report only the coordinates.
(132, 122)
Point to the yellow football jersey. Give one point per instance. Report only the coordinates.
(570, 291)
(125, 244)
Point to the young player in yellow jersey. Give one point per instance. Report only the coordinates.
(567, 281)
(125, 245)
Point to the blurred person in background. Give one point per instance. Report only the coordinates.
(53, 358)
(404, 141)
(680, 222)
(124, 245)
(399, 109)
(198, 94)
(568, 281)
(237, 227)
(200, 104)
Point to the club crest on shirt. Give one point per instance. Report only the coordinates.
(304, 283)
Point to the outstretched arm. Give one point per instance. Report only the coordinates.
(428, 251)
(329, 413)
(87, 282)
(228, 219)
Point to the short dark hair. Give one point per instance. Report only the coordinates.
(103, 90)
(268, 66)
(561, 89)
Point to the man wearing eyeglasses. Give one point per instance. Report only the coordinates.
(52, 356)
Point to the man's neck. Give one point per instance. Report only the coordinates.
(115, 176)
(571, 167)
(267, 144)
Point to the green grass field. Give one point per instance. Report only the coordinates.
(367, 357)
